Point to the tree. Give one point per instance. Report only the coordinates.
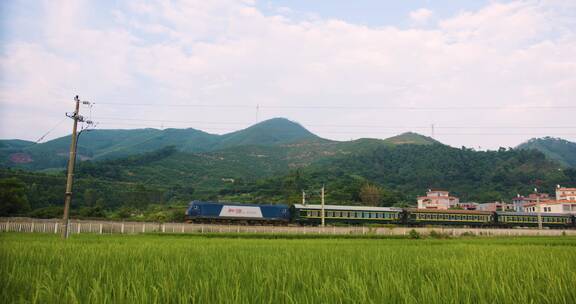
(371, 194)
(89, 197)
(13, 198)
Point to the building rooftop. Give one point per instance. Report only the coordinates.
(550, 203)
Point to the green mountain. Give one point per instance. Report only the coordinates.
(406, 171)
(111, 144)
(411, 138)
(557, 149)
(14, 144)
(280, 173)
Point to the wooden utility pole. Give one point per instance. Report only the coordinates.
(71, 163)
(322, 206)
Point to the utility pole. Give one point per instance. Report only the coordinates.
(432, 127)
(322, 205)
(71, 162)
(303, 197)
(539, 209)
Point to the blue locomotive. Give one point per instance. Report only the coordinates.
(227, 212)
(306, 214)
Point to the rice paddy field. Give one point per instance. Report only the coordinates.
(36, 268)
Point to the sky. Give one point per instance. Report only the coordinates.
(481, 74)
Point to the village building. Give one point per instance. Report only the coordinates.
(469, 206)
(520, 201)
(495, 206)
(565, 194)
(565, 202)
(552, 207)
(437, 199)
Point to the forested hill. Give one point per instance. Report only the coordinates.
(557, 149)
(110, 144)
(279, 174)
(406, 171)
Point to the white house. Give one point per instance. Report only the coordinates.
(437, 199)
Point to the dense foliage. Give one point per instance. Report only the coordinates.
(556, 149)
(406, 171)
(382, 175)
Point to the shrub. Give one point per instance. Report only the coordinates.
(414, 234)
(438, 235)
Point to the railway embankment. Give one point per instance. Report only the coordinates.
(28, 225)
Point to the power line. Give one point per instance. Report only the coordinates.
(50, 130)
(341, 107)
(360, 132)
(436, 126)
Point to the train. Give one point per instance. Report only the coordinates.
(311, 215)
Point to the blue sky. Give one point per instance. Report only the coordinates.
(484, 73)
(370, 12)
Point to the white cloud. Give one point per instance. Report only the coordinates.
(229, 53)
(421, 15)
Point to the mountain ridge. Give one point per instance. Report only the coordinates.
(115, 144)
(557, 149)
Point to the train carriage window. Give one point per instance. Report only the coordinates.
(330, 214)
(337, 214)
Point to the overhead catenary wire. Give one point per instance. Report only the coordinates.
(437, 126)
(345, 132)
(343, 107)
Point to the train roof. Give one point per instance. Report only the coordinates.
(347, 208)
(455, 211)
(533, 213)
(237, 204)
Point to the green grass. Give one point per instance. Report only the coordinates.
(175, 269)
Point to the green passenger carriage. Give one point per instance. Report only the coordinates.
(522, 219)
(449, 217)
(312, 214)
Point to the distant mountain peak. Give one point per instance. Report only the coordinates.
(273, 131)
(411, 138)
(558, 149)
